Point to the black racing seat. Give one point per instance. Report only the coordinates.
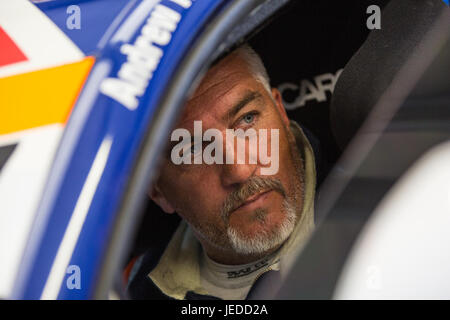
(370, 72)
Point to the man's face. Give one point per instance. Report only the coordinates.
(233, 208)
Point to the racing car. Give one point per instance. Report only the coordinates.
(90, 89)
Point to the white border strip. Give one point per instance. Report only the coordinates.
(70, 239)
(22, 179)
(134, 20)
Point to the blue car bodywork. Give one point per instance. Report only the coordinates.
(89, 176)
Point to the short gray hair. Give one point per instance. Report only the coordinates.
(255, 64)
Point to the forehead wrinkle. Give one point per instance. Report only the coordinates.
(229, 67)
(217, 107)
(234, 78)
(200, 92)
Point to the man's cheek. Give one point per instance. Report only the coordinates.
(270, 152)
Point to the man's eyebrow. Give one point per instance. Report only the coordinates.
(249, 97)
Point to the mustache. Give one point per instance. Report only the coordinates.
(252, 186)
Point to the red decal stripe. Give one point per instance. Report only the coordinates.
(9, 53)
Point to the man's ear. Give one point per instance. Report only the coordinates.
(280, 107)
(157, 196)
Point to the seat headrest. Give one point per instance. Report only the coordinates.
(404, 26)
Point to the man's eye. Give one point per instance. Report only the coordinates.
(190, 150)
(249, 118)
(194, 149)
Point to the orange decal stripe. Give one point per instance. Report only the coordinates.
(41, 97)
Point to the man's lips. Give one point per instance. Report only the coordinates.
(254, 200)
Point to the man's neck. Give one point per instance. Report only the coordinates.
(230, 257)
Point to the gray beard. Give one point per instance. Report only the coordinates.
(264, 241)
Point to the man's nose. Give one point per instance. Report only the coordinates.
(238, 166)
(237, 173)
